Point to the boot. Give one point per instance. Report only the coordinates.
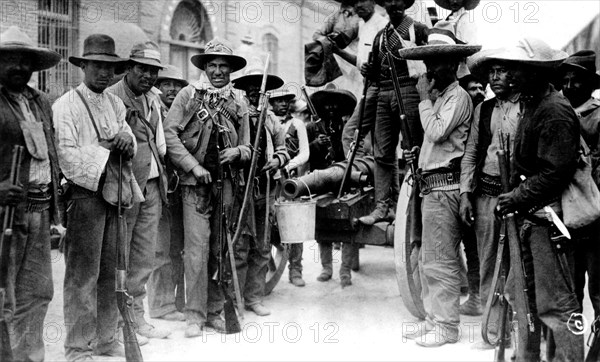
(472, 306)
(384, 176)
(325, 253)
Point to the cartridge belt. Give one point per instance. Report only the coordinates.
(435, 180)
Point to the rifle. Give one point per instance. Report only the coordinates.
(594, 342)
(407, 138)
(5, 239)
(124, 299)
(330, 157)
(525, 323)
(357, 133)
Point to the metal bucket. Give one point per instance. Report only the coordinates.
(296, 220)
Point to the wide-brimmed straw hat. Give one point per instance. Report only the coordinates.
(345, 100)
(99, 48)
(13, 40)
(146, 53)
(467, 4)
(529, 51)
(218, 48)
(585, 61)
(171, 72)
(282, 94)
(441, 43)
(253, 76)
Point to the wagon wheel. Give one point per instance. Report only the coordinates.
(406, 253)
(277, 261)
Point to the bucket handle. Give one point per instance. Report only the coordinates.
(308, 188)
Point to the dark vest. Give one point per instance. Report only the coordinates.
(11, 135)
(485, 133)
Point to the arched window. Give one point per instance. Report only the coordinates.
(190, 30)
(271, 45)
(58, 31)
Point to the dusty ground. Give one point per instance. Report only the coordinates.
(318, 322)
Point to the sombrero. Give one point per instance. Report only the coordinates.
(218, 48)
(345, 100)
(13, 40)
(171, 72)
(99, 48)
(585, 61)
(530, 51)
(467, 4)
(254, 77)
(441, 42)
(146, 53)
(282, 93)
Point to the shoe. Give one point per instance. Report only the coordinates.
(379, 214)
(217, 323)
(434, 339)
(114, 349)
(193, 330)
(472, 306)
(324, 276)
(345, 281)
(297, 281)
(174, 316)
(149, 331)
(141, 340)
(414, 334)
(258, 309)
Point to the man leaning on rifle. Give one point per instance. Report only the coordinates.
(193, 142)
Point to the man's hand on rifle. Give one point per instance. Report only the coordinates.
(323, 140)
(411, 155)
(10, 194)
(123, 143)
(466, 209)
(365, 69)
(273, 164)
(201, 174)
(229, 155)
(505, 204)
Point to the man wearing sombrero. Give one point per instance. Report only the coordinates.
(401, 31)
(546, 153)
(142, 102)
(254, 249)
(26, 120)
(90, 126)
(445, 112)
(167, 280)
(579, 80)
(206, 117)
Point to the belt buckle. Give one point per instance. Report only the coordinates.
(202, 114)
(450, 178)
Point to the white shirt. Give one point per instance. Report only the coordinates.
(366, 35)
(81, 158)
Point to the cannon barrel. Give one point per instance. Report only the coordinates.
(319, 182)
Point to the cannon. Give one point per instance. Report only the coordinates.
(337, 220)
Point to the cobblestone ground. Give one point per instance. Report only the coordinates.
(321, 321)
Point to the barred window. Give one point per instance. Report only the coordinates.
(58, 31)
(271, 45)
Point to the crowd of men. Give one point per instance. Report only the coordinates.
(183, 149)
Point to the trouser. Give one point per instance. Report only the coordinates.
(587, 260)
(295, 259)
(386, 136)
(554, 296)
(90, 304)
(30, 288)
(142, 231)
(252, 254)
(168, 260)
(439, 260)
(349, 252)
(364, 143)
(201, 250)
(469, 242)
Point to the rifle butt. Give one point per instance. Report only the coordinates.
(5, 348)
(232, 323)
(132, 348)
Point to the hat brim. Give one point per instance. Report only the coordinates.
(120, 63)
(467, 4)
(478, 63)
(152, 62)
(345, 100)
(42, 58)
(595, 76)
(288, 96)
(182, 81)
(437, 51)
(273, 81)
(235, 61)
